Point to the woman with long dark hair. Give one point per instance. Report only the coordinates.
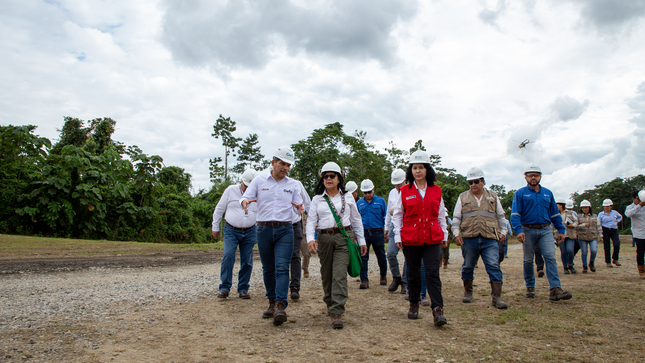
(420, 230)
(331, 244)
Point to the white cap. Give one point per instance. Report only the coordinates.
(569, 204)
(330, 166)
(560, 201)
(248, 176)
(398, 176)
(533, 169)
(607, 203)
(285, 154)
(641, 195)
(474, 174)
(351, 187)
(585, 203)
(419, 157)
(366, 185)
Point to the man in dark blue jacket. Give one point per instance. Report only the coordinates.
(373, 210)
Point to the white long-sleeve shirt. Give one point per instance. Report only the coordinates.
(637, 214)
(499, 211)
(319, 211)
(229, 203)
(306, 202)
(391, 202)
(273, 198)
(397, 217)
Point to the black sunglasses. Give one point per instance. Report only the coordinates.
(369, 192)
(329, 176)
(471, 182)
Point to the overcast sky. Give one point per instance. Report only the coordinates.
(472, 79)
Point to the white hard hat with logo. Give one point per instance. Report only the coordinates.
(474, 174)
(560, 201)
(532, 169)
(248, 176)
(351, 187)
(366, 185)
(330, 166)
(398, 177)
(419, 157)
(641, 195)
(285, 154)
(585, 203)
(569, 204)
(607, 203)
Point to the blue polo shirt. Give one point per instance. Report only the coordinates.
(531, 207)
(373, 213)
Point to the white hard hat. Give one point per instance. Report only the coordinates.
(474, 174)
(366, 185)
(248, 176)
(285, 154)
(398, 176)
(330, 166)
(569, 204)
(351, 187)
(419, 157)
(585, 203)
(560, 201)
(533, 169)
(641, 195)
(607, 203)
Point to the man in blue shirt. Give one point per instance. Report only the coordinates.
(373, 210)
(533, 211)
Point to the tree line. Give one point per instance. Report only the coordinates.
(87, 185)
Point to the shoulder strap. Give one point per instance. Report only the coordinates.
(340, 225)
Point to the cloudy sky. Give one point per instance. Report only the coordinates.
(472, 79)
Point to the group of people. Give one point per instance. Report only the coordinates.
(268, 209)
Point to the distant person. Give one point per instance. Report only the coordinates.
(532, 213)
(239, 231)
(609, 219)
(398, 180)
(296, 261)
(570, 221)
(373, 210)
(445, 251)
(589, 231)
(304, 250)
(503, 246)
(352, 189)
(636, 212)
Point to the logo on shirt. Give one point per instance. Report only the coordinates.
(287, 191)
(410, 197)
(265, 189)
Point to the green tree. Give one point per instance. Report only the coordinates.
(224, 129)
(73, 133)
(249, 155)
(398, 158)
(505, 198)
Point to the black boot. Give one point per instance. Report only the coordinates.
(396, 281)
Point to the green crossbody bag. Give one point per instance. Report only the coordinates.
(355, 261)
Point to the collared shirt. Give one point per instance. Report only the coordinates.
(501, 217)
(637, 214)
(397, 217)
(373, 213)
(229, 203)
(531, 207)
(391, 202)
(609, 220)
(273, 198)
(306, 201)
(319, 210)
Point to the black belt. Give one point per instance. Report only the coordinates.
(374, 230)
(536, 226)
(273, 223)
(613, 229)
(239, 229)
(334, 230)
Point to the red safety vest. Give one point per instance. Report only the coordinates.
(421, 216)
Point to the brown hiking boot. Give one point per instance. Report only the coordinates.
(383, 281)
(364, 285)
(279, 316)
(496, 294)
(305, 273)
(336, 323)
(530, 292)
(396, 281)
(414, 311)
(445, 263)
(468, 291)
(641, 271)
(268, 314)
(616, 263)
(439, 319)
(558, 294)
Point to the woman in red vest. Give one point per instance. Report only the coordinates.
(420, 230)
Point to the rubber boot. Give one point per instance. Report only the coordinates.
(641, 271)
(496, 294)
(468, 291)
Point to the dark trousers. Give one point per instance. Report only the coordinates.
(640, 251)
(431, 256)
(296, 265)
(539, 260)
(503, 248)
(610, 235)
(377, 241)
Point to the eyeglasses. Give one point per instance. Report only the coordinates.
(471, 182)
(533, 175)
(368, 192)
(329, 176)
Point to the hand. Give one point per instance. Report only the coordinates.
(363, 250)
(642, 204)
(246, 202)
(445, 243)
(521, 237)
(216, 235)
(459, 241)
(299, 207)
(312, 246)
(502, 238)
(570, 226)
(387, 237)
(399, 245)
(560, 238)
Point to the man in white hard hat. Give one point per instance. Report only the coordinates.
(609, 220)
(398, 180)
(636, 212)
(373, 210)
(532, 213)
(239, 230)
(478, 224)
(298, 235)
(276, 194)
(352, 189)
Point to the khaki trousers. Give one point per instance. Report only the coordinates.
(334, 258)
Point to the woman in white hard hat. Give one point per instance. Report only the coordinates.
(420, 230)
(588, 232)
(609, 219)
(332, 245)
(570, 221)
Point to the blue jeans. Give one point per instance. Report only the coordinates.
(377, 241)
(585, 246)
(275, 245)
(566, 252)
(544, 239)
(232, 239)
(392, 260)
(488, 249)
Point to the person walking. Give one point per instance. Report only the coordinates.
(420, 230)
(588, 231)
(239, 231)
(332, 245)
(445, 251)
(296, 261)
(398, 180)
(570, 221)
(636, 212)
(373, 210)
(304, 250)
(609, 219)
(352, 189)
(275, 194)
(478, 224)
(532, 213)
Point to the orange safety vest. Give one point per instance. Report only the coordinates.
(421, 216)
